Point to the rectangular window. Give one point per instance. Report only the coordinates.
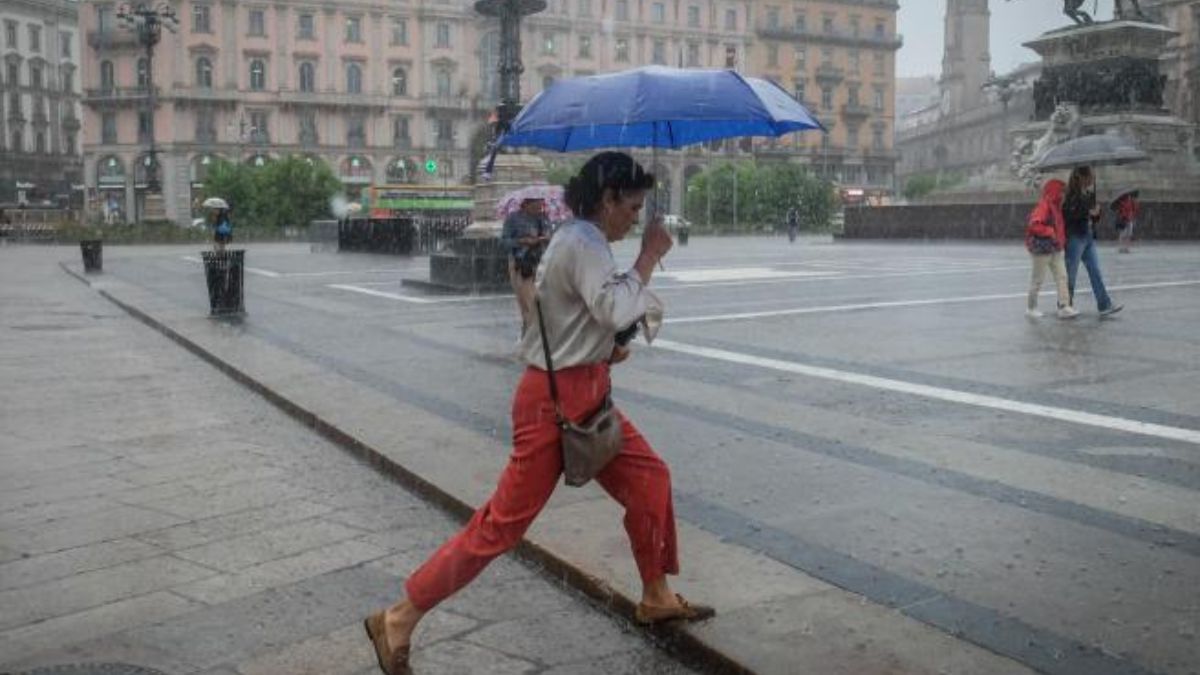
(622, 49)
(35, 38)
(827, 56)
(826, 98)
(68, 80)
(877, 139)
(443, 36)
(801, 58)
(104, 18)
(399, 31)
(201, 19)
(827, 25)
(622, 10)
(731, 19)
(855, 60)
(880, 63)
(549, 44)
(400, 133)
(659, 56)
(773, 18)
(880, 29)
(260, 131)
(206, 126)
(852, 138)
(585, 46)
(14, 76)
(693, 55)
(772, 56)
(693, 16)
(306, 29)
(854, 26)
(798, 91)
(445, 133)
(64, 39)
(879, 98)
(658, 13)
(10, 35)
(800, 22)
(353, 29)
(258, 23)
(585, 7)
(356, 132)
(145, 126)
(730, 56)
(35, 76)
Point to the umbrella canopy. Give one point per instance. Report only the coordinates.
(1121, 192)
(215, 203)
(1095, 150)
(552, 195)
(655, 107)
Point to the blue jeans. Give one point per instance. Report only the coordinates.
(1084, 248)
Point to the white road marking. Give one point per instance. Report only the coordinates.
(836, 275)
(904, 303)
(356, 288)
(735, 274)
(253, 270)
(940, 393)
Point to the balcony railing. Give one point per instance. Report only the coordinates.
(333, 99)
(826, 71)
(112, 39)
(449, 103)
(855, 110)
(206, 94)
(839, 37)
(117, 94)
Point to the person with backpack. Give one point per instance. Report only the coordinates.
(1081, 213)
(1045, 239)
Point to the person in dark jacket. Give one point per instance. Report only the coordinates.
(1081, 214)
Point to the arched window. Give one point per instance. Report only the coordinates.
(143, 73)
(399, 82)
(308, 77)
(110, 171)
(354, 79)
(258, 75)
(203, 73)
(107, 78)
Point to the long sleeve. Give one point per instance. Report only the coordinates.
(615, 299)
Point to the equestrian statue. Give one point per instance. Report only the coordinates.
(1125, 9)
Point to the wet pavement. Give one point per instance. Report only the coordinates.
(876, 418)
(158, 518)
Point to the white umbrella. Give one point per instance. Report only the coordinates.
(1094, 150)
(215, 203)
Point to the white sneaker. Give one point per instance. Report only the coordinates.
(1067, 312)
(1033, 314)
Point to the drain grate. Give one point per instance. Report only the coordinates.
(94, 669)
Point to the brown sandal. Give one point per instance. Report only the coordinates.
(686, 611)
(390, 662)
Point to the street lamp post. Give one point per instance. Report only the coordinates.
(510, 13)
(149, 21)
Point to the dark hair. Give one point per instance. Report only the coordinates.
(1079, 176)
(614, 171)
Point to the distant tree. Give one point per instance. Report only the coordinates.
(765, 193)
(921, 185)
(291, 191)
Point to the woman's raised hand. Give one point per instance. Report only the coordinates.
(656, 241)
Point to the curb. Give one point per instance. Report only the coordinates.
(679, 642)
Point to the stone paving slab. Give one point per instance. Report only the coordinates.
(181, 523)
(580, 530)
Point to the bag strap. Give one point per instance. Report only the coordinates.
(549, 362)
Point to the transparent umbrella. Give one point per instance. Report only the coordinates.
(1095, 150)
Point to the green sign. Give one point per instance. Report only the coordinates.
(430, 166)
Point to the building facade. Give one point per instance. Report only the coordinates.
(1181, 62)
(378, 88)
(40, 108)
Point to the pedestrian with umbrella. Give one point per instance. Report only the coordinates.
(219, 219)
(1125, 208)
(588, 310)
(1080, 210)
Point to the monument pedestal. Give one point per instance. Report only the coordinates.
(1104, 79)
(478, 262)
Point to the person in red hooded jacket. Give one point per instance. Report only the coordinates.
(1045, 239)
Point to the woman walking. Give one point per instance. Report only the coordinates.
(1045, 238)
(585, 301)
(1081, 213)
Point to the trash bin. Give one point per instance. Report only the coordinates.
(683, 236)
(93, 255)
(223, 274)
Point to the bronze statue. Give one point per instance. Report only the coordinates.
(1074, 10)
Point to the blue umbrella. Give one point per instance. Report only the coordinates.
(655, 107)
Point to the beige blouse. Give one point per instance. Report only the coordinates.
(586, 300)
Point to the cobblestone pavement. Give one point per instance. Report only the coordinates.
(153, 512)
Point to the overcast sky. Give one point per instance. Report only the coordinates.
(922, 23)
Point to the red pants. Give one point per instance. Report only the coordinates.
(637, 478)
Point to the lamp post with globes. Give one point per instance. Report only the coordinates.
(148, 21)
